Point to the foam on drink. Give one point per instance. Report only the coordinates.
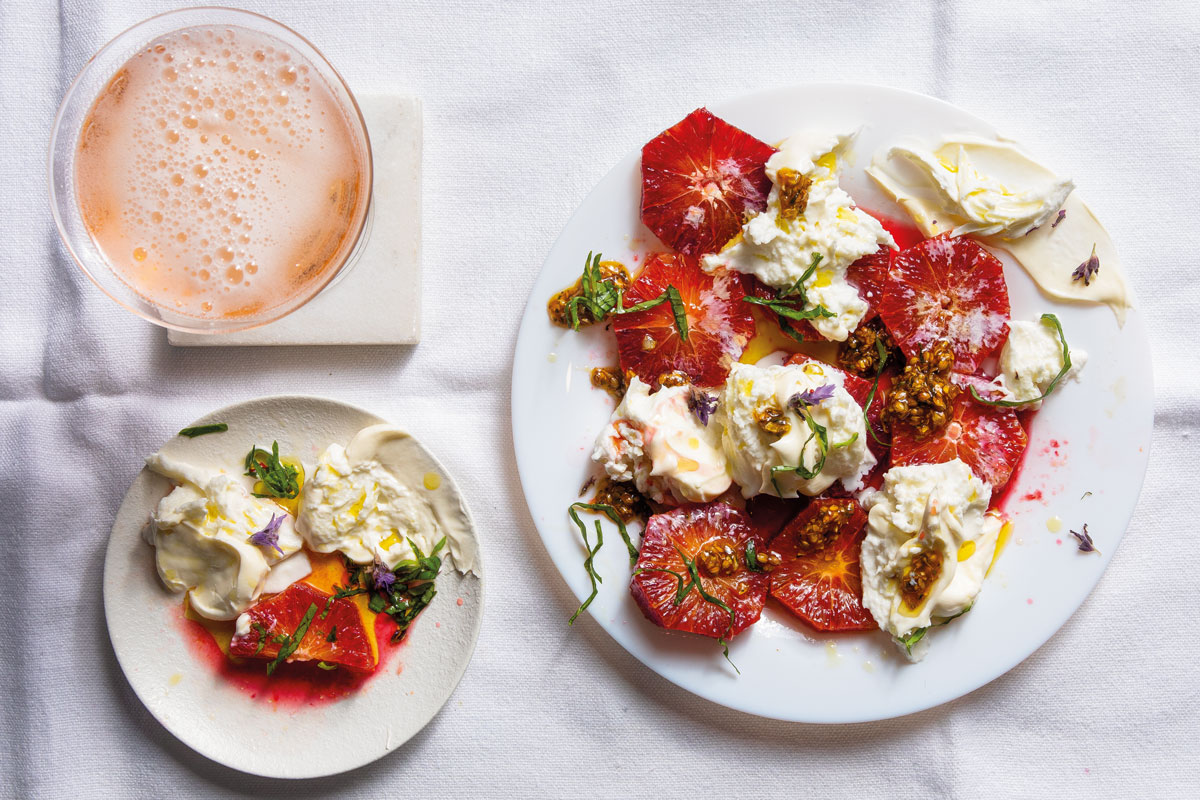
(219, 173)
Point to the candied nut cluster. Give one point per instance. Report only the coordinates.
(674, 378)
(793, 193)
(772, 419)
(559, 306)
(922, 396)
(718, 560)
(824, 526)
(768, 560)
(859, 354)
(611, 380)
(918, 578)
(625, 499)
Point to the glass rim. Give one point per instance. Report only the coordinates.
(361, 225)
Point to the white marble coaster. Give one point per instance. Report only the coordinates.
(378, 301)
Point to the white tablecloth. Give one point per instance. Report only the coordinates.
(527, 105)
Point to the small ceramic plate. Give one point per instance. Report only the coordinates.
(1087, 455)
(285, 738)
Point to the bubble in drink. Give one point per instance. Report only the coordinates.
(292, 179)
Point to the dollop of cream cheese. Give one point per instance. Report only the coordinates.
(201, 532)
(778, 251)
(363, 501)
(940, 508)
(1032, 357)
(753, 453)
(363, 511)
(656, 441)
(992, 189)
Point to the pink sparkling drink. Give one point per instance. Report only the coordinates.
(219, 174)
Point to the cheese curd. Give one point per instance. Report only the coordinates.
(933, 517)
(201, 532)
(1031, 359)
(656, 441)
(778, 251)
(359, 507)
(753, 452)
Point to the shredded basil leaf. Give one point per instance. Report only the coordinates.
(278, 479)
(912, 638)
(200, 430)
(326, 666)
(752, 557)
(289, 645)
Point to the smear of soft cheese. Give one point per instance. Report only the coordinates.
(940, 507)
(200, 532)
(657, 442)
(990, 188)
(778, 251)
(752, 452)
(363, 501)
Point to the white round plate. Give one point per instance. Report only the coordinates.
(220, 720)
(1087, 456)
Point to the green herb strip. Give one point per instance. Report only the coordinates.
(290, 643)
(612, 514)
(262, 637)
(912, 638)
(883, 357)
(1062, 373)
(326, 666)
(790, 302)
(821, 436)
(279, 479)
(200, 430)
(589, 562)
(600, 297)
(332, 635)
(682, 590)
(752, 557)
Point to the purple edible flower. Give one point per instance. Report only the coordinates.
(702, 405)
(812, 397)
(1062, 214)
(383, 577)
(1087, 270)
(269, 536)
(1086, 545)
(1034, 228)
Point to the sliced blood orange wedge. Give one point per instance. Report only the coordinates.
(988, 439)
(869, 275)
(707, 542)
(334, 634)
(700, 179)
(818, 578)
(719, 324)
(947, 289)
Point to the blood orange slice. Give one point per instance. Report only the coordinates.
(700, 179)
(869, 275)
(713, 537)
(947, 289)
(989, 440)
(719, 324)
(818, 578)
(282, 614)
